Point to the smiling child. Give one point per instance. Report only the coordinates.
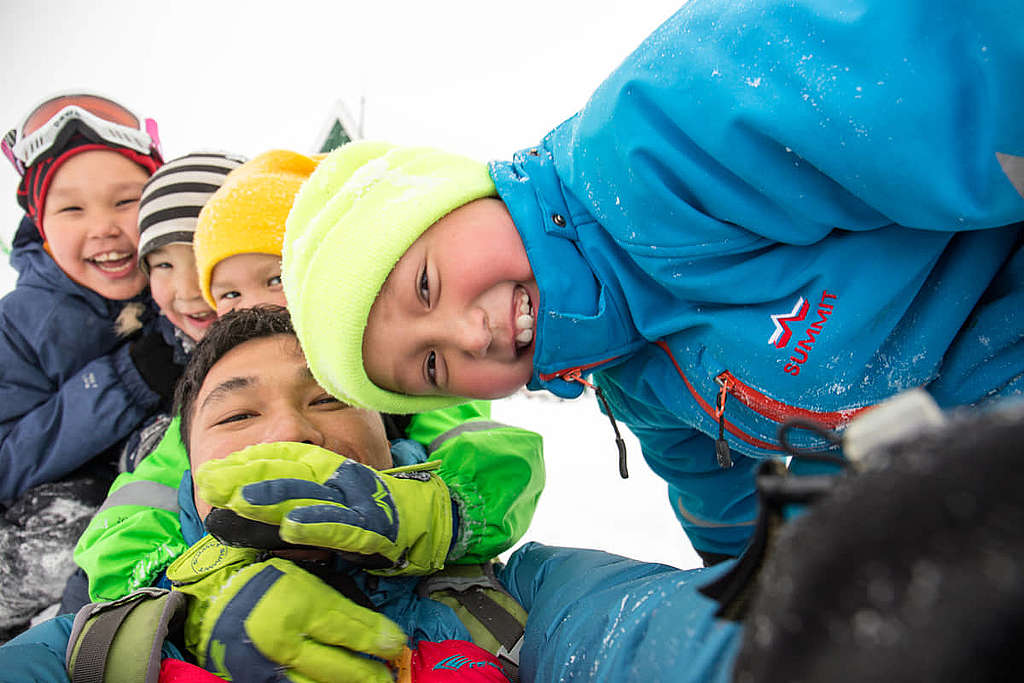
(73, 385)
(753, 219)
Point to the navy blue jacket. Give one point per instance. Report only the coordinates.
(70, 390)
(796, 209)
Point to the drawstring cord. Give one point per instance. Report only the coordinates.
(576, 375)
(721, 445)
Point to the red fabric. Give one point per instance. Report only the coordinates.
(455, 661)
(177, 671)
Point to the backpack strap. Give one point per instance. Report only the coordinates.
(108, 638)
(494, 619)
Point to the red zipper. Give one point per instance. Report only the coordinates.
(763, 405)
(571, 374)
(780, 412)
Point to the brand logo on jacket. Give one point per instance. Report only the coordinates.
(783, 331)
(780, 337)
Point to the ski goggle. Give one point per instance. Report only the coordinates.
(52, 123)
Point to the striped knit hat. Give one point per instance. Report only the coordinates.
(174, 195)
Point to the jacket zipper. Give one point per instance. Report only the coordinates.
(576, 375)
(764, 406)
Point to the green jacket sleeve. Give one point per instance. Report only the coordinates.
(136, 533)
(495, 473)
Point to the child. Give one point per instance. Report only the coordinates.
(494, 471)
(168, 211)
(752, 219)
(239, 234)
(82, 362)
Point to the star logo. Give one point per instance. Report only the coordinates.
(780, 337)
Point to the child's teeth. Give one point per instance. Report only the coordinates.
(524, 336)
(111, 256)
(524, 322)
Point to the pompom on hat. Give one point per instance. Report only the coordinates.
(173, 196)
(351, 222)
(247, 214)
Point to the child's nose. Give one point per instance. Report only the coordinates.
(472, 334)
(291, 425)
(105, 225)
(187, 287)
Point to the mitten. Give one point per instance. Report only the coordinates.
(270, 620)
(390, 524)
(154, 359)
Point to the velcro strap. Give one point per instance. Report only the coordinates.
(502, 625)
(91, 661)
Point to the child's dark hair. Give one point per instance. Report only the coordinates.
(234, 328)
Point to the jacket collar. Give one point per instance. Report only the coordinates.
(581, 318)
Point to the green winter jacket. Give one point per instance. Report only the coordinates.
(495, 473)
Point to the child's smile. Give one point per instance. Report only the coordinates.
(114, 264)
(524, 319)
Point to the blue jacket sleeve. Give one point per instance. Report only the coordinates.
(37, 654)
(781, 121)
(56, 416)
(597, 616)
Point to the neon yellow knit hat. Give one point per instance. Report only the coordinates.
(247, 214)
(351, 222)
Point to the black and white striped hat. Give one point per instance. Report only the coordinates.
(174, 195)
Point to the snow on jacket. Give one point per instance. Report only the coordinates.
(495, 473)
(797, 201)
(70, 390)
(595, 616)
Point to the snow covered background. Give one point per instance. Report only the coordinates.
(480, 78)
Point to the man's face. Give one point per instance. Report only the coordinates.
(261, 392)
(457, 315)
(90, 219)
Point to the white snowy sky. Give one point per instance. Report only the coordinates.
(481, 78)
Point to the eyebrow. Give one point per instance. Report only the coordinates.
(221, 391)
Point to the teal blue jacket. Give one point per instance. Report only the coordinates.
(794, 209)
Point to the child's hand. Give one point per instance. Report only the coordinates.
(272, 620)
(319, 498)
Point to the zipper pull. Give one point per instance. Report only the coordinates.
(721, 445)
(576, 375)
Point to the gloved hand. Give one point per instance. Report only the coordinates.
(391, 524)
(271, 620)
(154, 359)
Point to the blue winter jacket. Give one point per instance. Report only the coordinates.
(789, 208)
(70, 390)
